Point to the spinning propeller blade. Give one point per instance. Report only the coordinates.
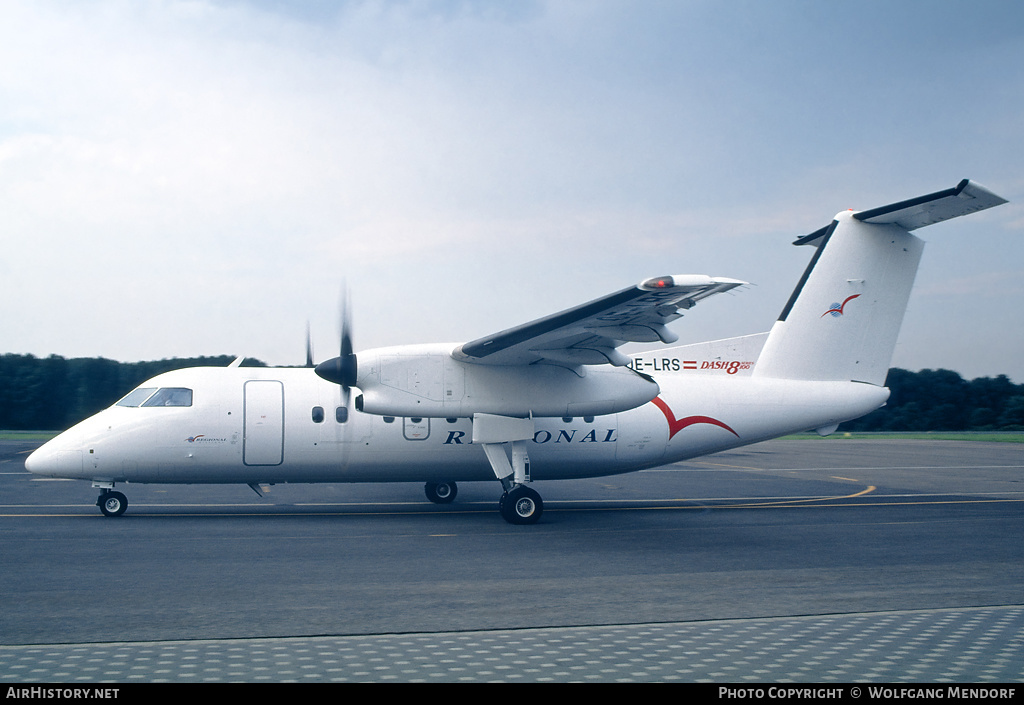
(309, 347)
(342, 370)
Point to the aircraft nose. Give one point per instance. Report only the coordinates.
(47, 460)
(34, 462)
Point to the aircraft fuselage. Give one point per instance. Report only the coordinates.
(274, 425)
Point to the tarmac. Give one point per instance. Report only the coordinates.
(970, 645)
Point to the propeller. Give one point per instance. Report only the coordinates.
(342, 370)
(309, 347)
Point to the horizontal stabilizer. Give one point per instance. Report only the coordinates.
(966, 197)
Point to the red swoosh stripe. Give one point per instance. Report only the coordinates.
(676, 425)
(841, 307)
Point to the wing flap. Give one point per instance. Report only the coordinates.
(590, 333)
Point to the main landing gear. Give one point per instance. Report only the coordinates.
(111, 503)
(501, 437)
(498, 435)
(520, 505)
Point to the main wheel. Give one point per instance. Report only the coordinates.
(112, 504)
(521, 505)
(441, 492)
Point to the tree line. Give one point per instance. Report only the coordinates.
(941, 400)
(54, 393)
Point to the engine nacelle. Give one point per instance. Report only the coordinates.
(424, 380)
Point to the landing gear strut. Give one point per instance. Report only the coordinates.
(441, 492)
(111, 503)
(497, 435)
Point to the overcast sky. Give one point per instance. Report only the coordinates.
(199, 178)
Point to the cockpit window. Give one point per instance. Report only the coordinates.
(136, 397)
(170, 396)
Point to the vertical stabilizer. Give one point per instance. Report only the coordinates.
(842, 321)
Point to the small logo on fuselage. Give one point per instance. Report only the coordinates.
(836, 309)
(201, 438)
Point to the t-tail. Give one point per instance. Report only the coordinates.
(842, 321)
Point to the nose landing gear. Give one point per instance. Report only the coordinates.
(112, 504)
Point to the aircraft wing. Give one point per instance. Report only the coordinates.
(590, 333)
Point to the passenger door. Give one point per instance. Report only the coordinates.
(263, 438)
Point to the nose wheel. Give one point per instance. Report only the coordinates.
(112, 504)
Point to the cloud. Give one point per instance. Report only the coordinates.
(210, 171)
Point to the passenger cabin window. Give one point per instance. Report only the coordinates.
(170, 396)
(318, 414)
(341, 414)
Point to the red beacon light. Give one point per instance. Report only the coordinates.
(659, 283)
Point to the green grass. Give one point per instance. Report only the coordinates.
(41, 436)
(989, 436)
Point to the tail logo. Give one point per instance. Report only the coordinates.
(836, 309)
(676, 425)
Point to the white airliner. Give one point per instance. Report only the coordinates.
(550, 399)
